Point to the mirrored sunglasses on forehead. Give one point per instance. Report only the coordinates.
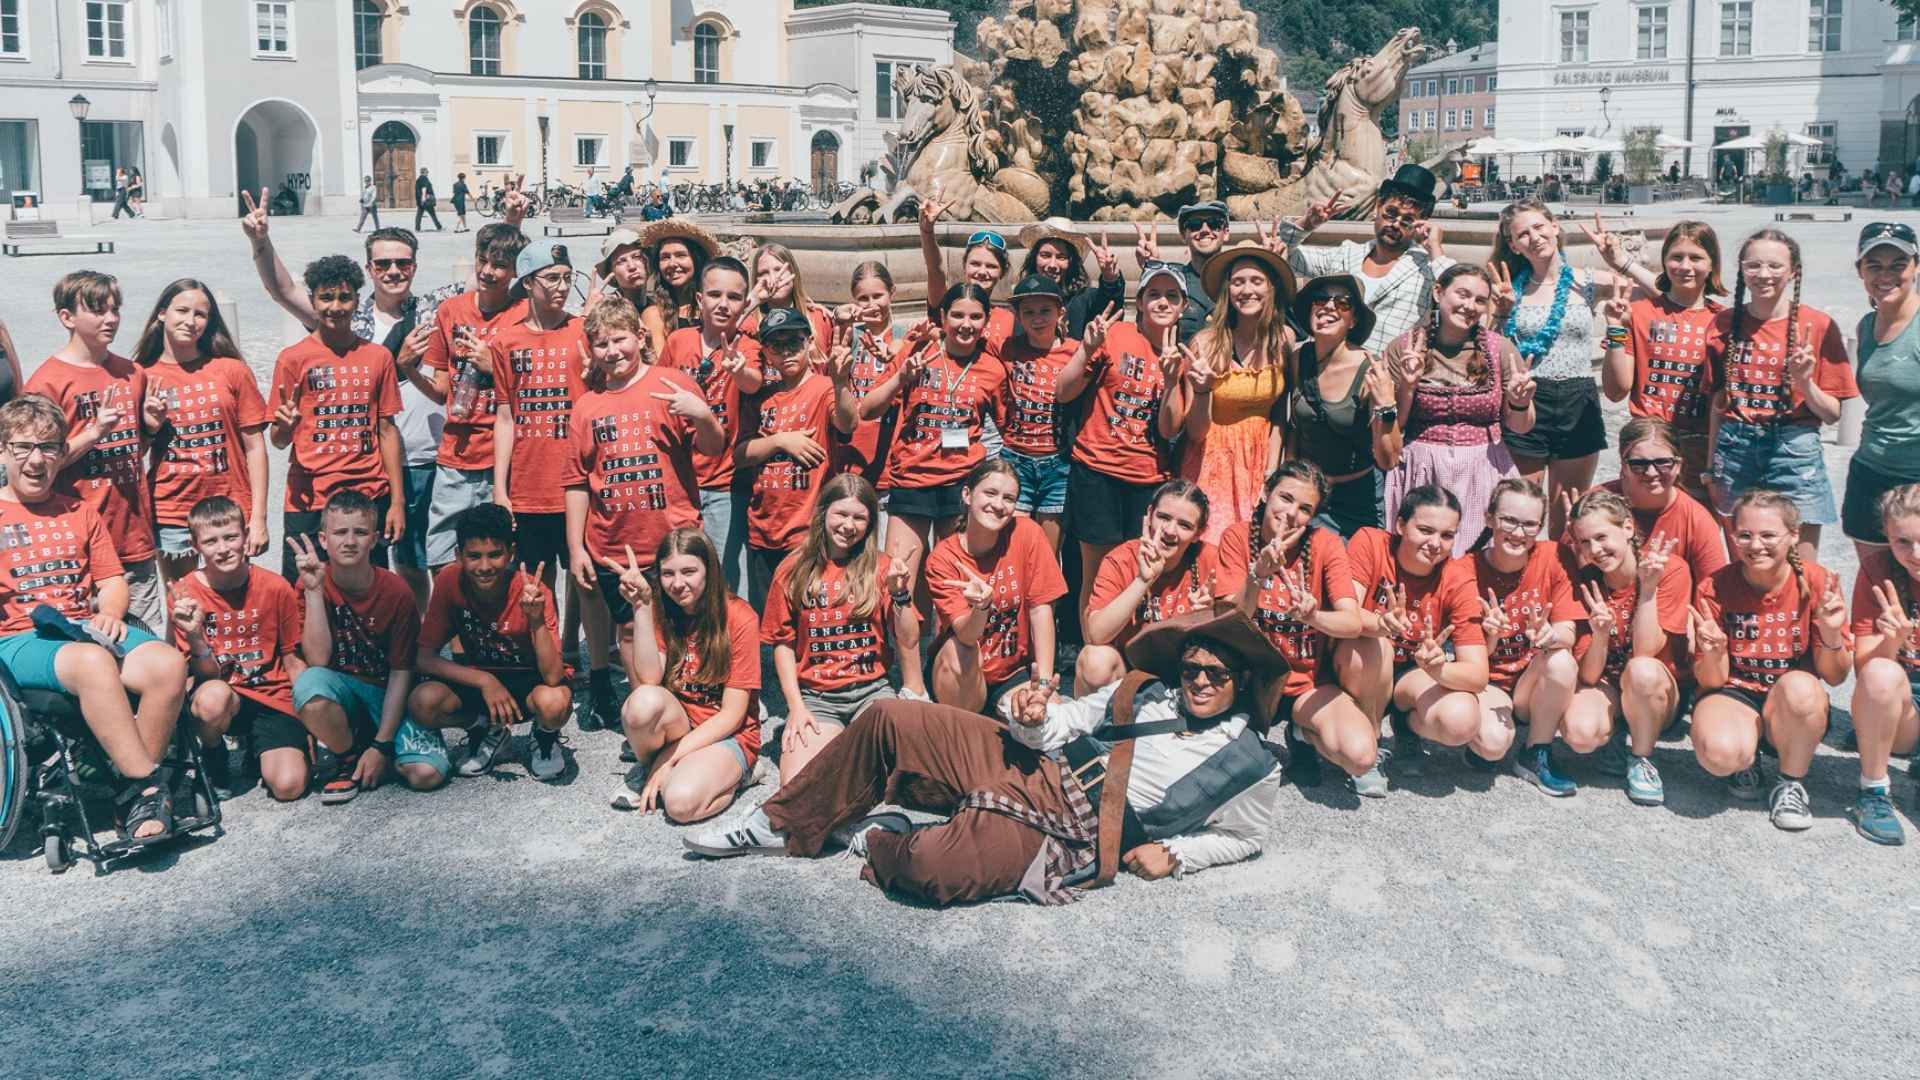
(988, 237)
(1893, 229)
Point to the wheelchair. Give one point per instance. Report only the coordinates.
(50, 762)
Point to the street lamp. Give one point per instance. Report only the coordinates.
(79, 105)
(1606, 94)
(652, 89)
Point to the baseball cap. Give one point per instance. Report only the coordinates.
(783, 321)
(1157, 269)
(537, 257)
(1211, 206)
(1038, 285)
(1889, 234)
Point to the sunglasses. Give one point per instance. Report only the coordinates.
(1337, 301)
(1214, 674)
(1888, 228)
(1203, 221)
(392, 264)
(785, 344)
(986, 236)
(1651, 464)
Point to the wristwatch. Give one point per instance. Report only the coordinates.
(385, 748)
(1388, 415)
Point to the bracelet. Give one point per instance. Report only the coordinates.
(902, 597)
(1618, 335)
(385, 748)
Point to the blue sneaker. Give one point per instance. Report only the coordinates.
(1535, 765)
(1643, 783)
(1873, 817)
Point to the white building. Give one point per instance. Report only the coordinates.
(211, 97)
(1712, 70)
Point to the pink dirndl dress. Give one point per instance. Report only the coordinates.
(1453, 441)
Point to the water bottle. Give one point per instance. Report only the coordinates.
(466, 394)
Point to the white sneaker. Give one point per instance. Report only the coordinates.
(1789, 807)
(763, 771)
(627, 795)
(853, 837)
(752, 835)
(483, 750)
(547, 761)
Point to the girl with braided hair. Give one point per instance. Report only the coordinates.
(1784, 373)
(1528, 618)
(1766, 631)
(1292, 578)
(1461, 389)
(1886, 699)
(1634, 598)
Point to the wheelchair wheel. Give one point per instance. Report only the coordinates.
(59, 857)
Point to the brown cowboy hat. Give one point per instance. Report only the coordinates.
(1054, 228)
(1157, 649)
(1213, 277)
(679, 229)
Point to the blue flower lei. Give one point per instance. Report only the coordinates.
(1536, 345)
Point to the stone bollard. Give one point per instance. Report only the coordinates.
(1853, 410)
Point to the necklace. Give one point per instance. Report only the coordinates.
(1537, 344)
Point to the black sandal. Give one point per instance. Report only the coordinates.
(142, 805)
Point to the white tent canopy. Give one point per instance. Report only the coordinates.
(1759, 141)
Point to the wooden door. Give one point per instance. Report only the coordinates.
(826, 162)
(394, 151)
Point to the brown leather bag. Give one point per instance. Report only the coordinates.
(1113, 790)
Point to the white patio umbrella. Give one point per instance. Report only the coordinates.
(1674, 142)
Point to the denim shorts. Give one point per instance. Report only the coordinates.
(1043, 481)
(1785, 457)
(845, 705)
(412, 550)
(363, 703)
(29, 656)
(723, 517)
(174, 539)
(455, 491)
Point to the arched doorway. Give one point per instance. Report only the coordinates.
(394, 149)
(275, 146)
(826, 161)
(1913, 136)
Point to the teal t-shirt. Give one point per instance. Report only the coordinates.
(1889, 377)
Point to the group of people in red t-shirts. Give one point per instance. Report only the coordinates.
(703, 427)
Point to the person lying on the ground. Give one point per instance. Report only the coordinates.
(1178, 737)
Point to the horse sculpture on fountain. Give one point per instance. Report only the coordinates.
(987, 158)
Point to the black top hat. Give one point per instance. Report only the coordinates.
(1416, 182)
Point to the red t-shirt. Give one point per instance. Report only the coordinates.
(865, 451)
(1329, 577)
(1540, 585)
(937, 438)
(537, 375)
(467, 440)
(251, 630)
(635, 459)
(1031, 392)
(52, 553)
(702, 700)
(780, 507)
(1443, 598)
(1120, 438)
(341, 400)
(1164, 599)
(686, 352)
(376, 633)
(1674, 350)
(1670, 600)
(1023, 571)
(111, 476)
(1758, 388)
(1767, 635)
(199, 453)
(1000, 327)
(1880, 568)
(492, 639)
(1702, 543)
(832, 647)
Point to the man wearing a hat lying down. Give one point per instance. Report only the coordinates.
(1163, 772)
(1398, 267)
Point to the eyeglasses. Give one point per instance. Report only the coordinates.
(1337, 301)
(1203, 221)
(988, 237)
(1652, 464)
(392, 264)
(1768, 538)
(1516, 525)
(25, 450)
(1405, 218)
(1214, 674)
(554, 281)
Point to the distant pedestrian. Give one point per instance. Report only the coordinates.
(136, 191)
(120, 205)
(369, 204)
(460, 193)
(423, 201)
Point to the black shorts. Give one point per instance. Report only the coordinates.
(520, 684)
(607, 584)
(1860, 508)
(761, 564)
(1566, 422)
(938, 502)
(1753, 699)
(1102, 510)
(271, 729)
(307, 522)
(540, 538)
